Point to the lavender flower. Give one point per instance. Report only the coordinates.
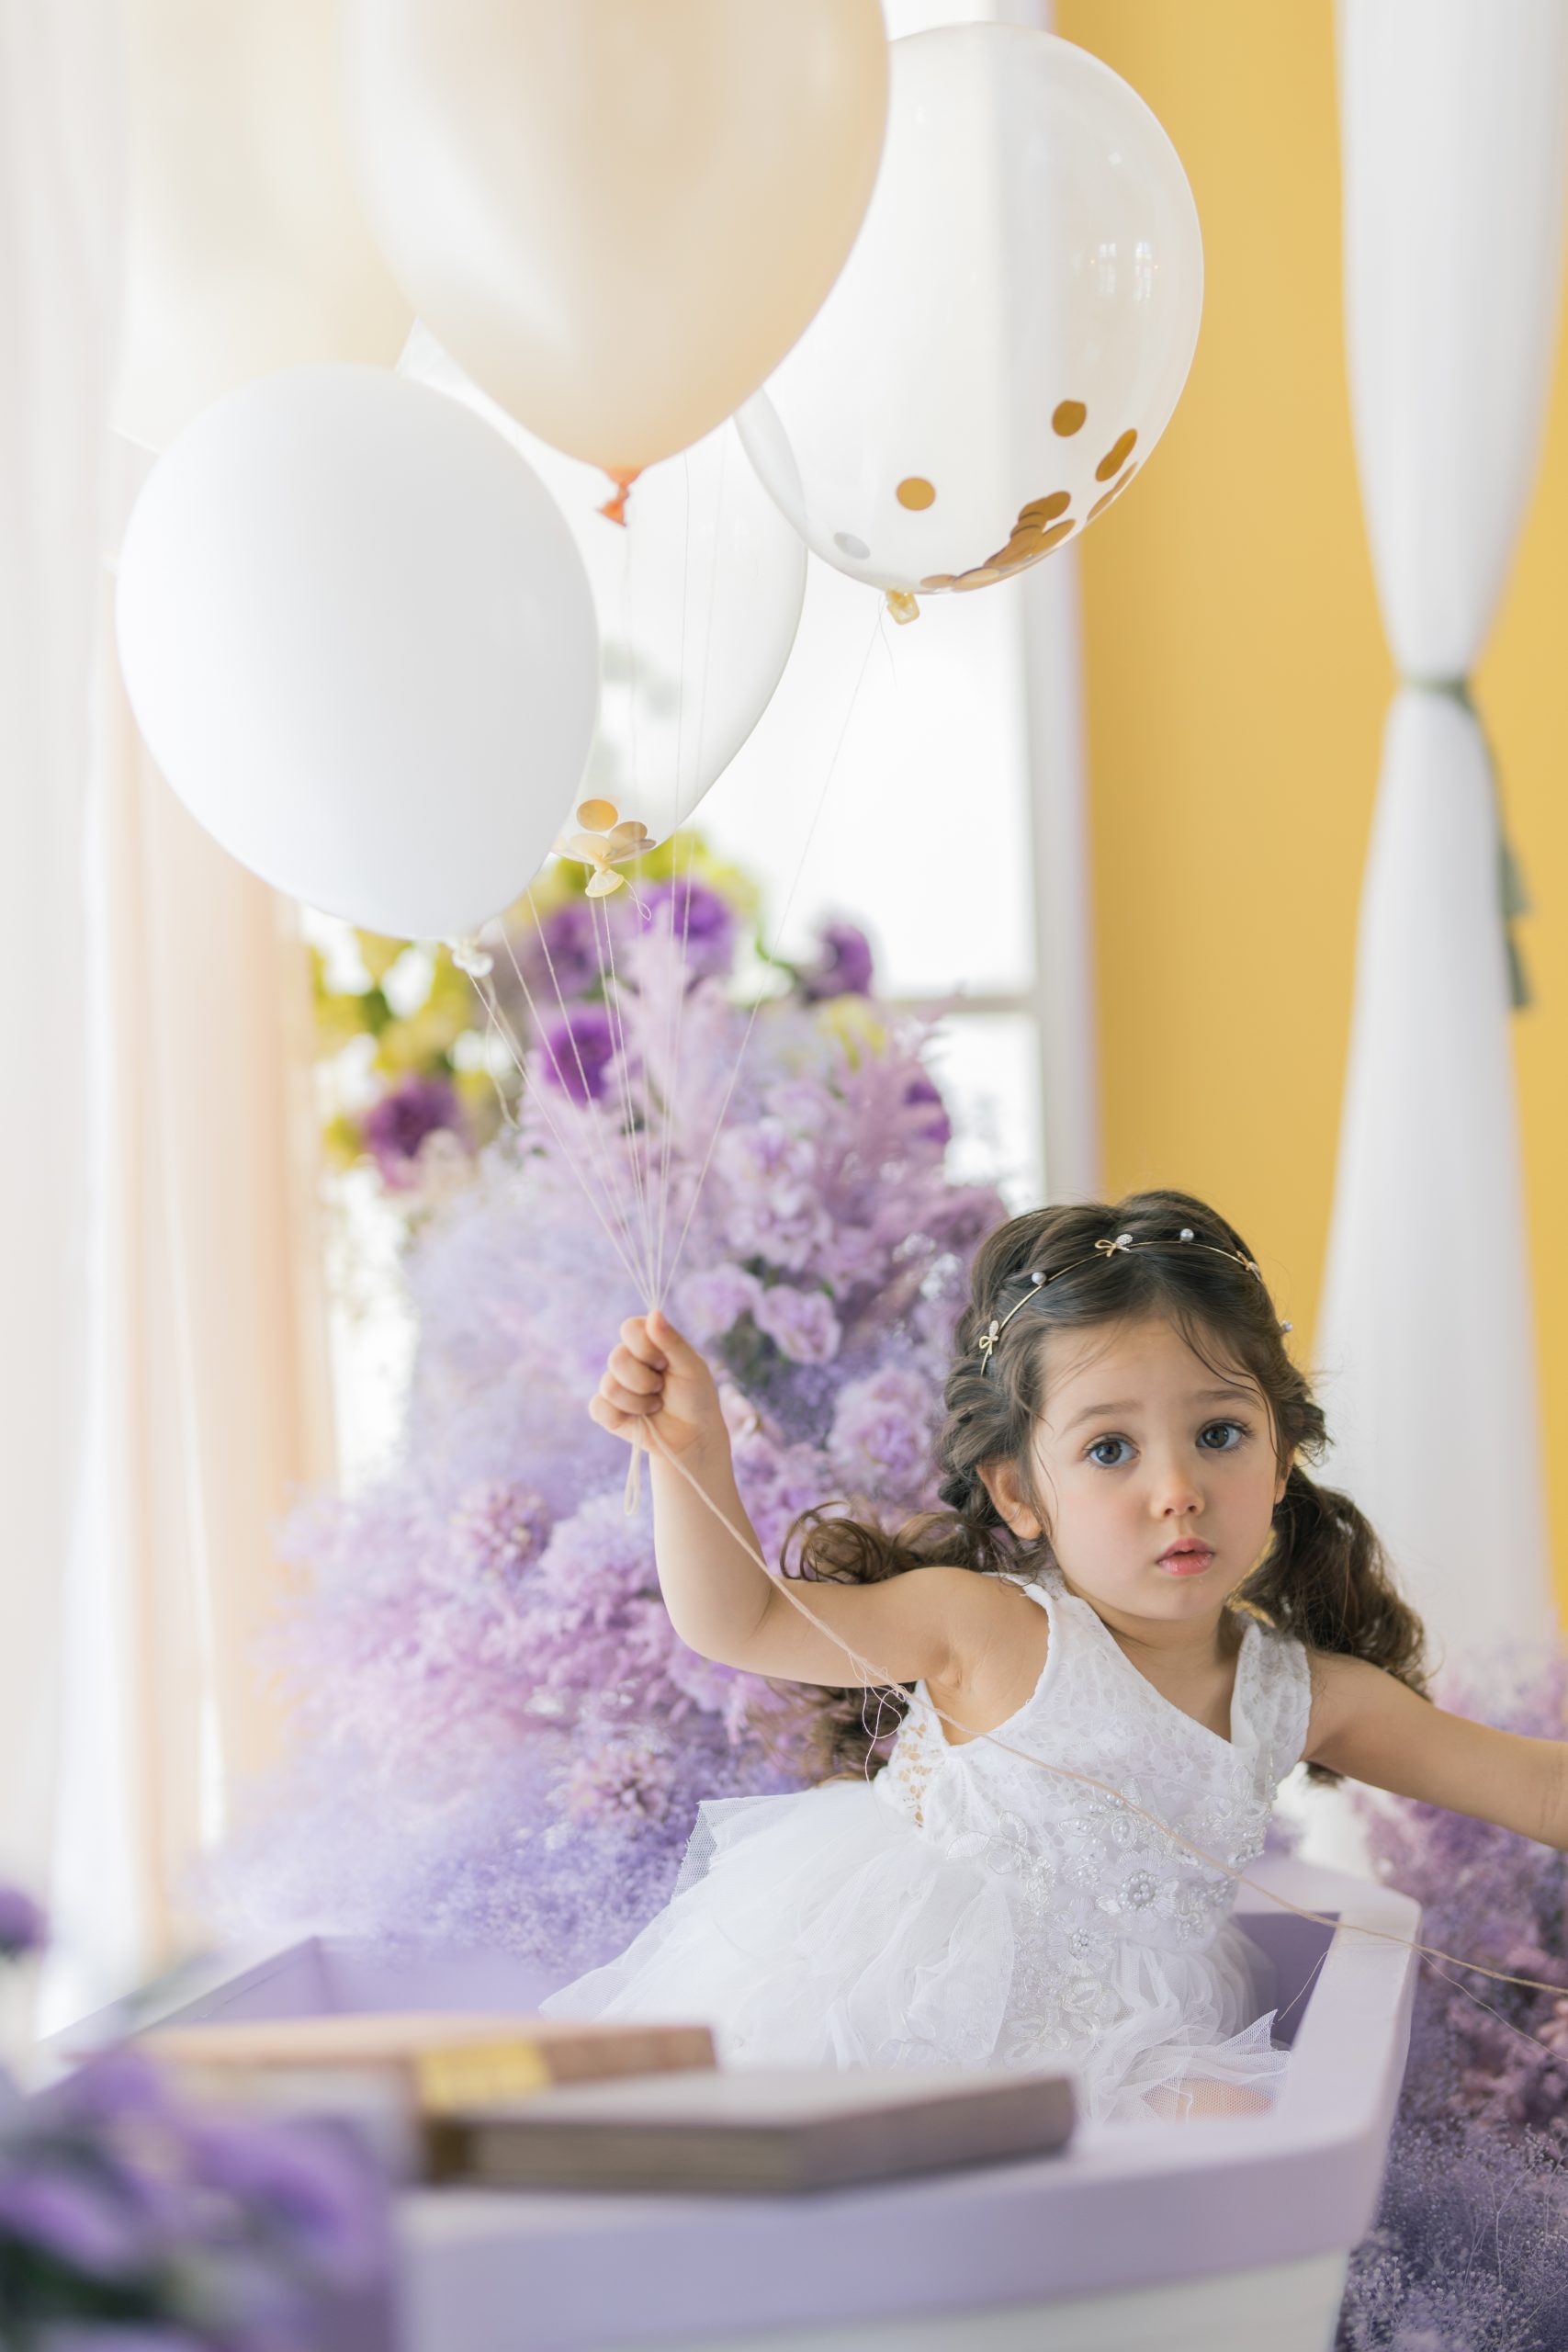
(630, 1779)
(577, 1053)
(700, 923)
(713, 1300)
(800, 1322)
(934, 1127)
(23, 1928)
(775, 1207)
(562, 954)
(844, 967)
(1468, 2253)
(395, 1127)
(882, 1434)
(120, 2204)
(74, 2219)
(499, 1529)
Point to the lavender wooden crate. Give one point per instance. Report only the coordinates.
(1220, 2236)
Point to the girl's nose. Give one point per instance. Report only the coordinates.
(1175, 1493)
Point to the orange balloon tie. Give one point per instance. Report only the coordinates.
(615, 509)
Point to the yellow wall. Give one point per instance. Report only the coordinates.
(1237, 680)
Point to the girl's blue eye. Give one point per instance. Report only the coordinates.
(1232, 1431)
(1096, 1455)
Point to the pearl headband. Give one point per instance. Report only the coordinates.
(1122, 1244)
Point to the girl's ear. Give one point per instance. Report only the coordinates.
(1003, 1483)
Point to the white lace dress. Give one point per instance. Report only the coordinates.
(965, 1908)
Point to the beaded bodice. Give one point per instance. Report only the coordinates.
(1082, 1869)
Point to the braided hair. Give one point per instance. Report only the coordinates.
(1325, 1578)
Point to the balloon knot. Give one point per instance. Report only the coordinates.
(903, 606)
(615, 509)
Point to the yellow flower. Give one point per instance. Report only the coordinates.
(341, 1141)
(377, 954)
(853, 1019)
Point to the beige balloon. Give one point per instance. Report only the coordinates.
(247, 246)
(617, 216)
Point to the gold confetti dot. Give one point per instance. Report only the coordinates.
(1114, 490)
(1028, 547)
(598, 816)
(1116, 457)
(1068, 416)
(938, 579)
(1046, 510)
(915, 493)
(981, 577)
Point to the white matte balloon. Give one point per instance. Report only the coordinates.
(359, 640)
(698, 596)
(1012, 332)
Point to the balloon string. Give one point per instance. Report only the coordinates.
(672, 1067)
(778, 935)
(600, 1142)
(500, 1027)
(872, 1677)
(615, 1009)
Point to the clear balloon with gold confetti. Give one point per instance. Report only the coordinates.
(1010, 334)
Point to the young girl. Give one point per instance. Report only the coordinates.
(1136, 1579)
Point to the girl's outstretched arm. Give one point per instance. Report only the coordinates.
(930, 1623)
(1373, 1728)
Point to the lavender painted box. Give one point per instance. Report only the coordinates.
(1216, 2236)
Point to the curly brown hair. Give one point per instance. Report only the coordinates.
(1325, 1578)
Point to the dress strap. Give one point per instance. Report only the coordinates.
(1278, 1701)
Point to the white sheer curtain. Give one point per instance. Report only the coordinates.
(59, 202)
(1453, 120)
(207, 1409)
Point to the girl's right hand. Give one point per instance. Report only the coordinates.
(656, 1380)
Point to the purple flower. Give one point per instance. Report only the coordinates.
(938, 1127)
(628, 1778)
(775, 1210)
(844, 967)
(305, 2188)
(499, 1529)
(777, 1483)
(562, 954)
(699, 922)
(713, 1301)
(800, 1322)
(22, 1927)
(881, 1435)
(70, 2213)
(577, 1053)
(395, 1127)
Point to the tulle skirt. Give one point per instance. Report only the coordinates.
(827, 1930)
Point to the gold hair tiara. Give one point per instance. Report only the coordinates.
(1122, 1245)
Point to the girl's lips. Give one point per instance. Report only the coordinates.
(1188, 1562)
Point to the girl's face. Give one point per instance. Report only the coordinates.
(1157, 1473)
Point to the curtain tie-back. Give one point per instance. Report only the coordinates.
(1513, 897)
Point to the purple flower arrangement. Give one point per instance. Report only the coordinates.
(126, 2215)
(411, 1077)
(500, 1738)
(1470, 2253)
